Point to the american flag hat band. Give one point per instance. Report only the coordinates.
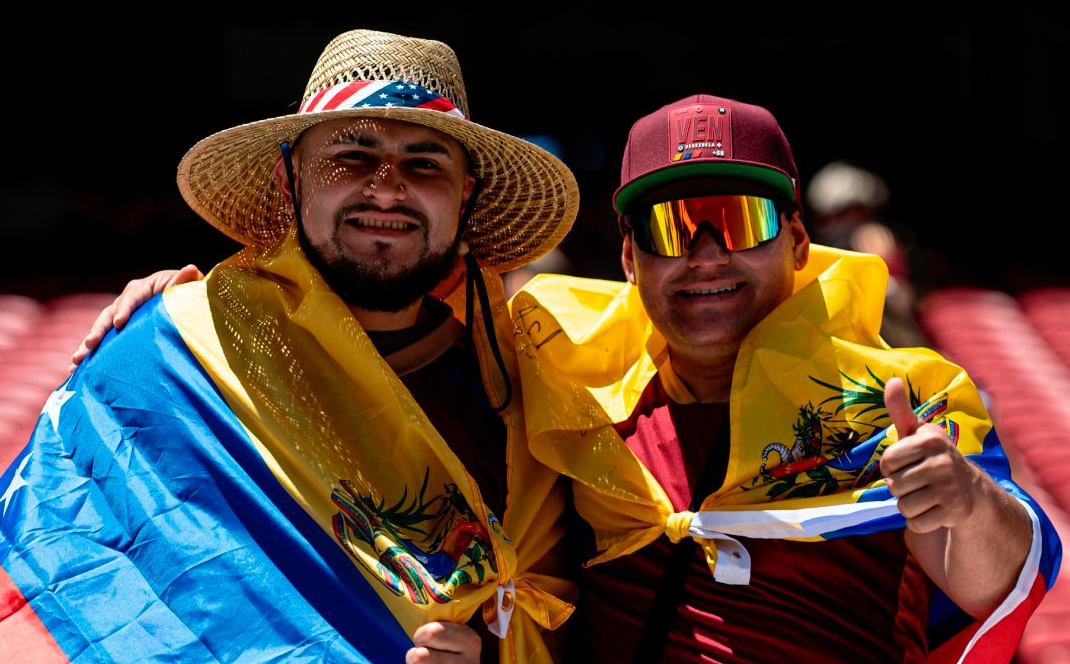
(371, 94)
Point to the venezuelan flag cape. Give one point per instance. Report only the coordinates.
(806, 468)
(239, 476)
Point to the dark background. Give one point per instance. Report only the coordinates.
(960, 106)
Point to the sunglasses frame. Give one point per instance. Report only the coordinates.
(644, 240)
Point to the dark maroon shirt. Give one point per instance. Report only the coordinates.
(843, 600)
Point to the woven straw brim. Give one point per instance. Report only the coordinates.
(528, 203)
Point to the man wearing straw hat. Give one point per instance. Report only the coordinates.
(319, 448)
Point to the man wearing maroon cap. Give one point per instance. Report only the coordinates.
(761, 477)
(774, 483)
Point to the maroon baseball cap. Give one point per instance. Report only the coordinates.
(705, 145)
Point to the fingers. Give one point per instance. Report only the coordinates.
(97, 330)
(136, 293)
(442, 642)
(931, 493)
(899, 461)
(78, 356)
(923, 469)
(189, 273)
(897, 402)
(924, 516)
(140, 291)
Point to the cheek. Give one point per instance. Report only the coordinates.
(648, 282)
(323, 187)
(323, 178)
(651, 272)
(443, 231)
(790, 263)
(443, 205)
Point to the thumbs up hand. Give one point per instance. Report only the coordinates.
(936, 486)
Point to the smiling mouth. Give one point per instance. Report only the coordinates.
(711, 291)
(381, 224)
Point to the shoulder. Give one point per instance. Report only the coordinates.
(149, 346)
(578, 305)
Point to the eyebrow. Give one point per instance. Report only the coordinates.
(421, 147)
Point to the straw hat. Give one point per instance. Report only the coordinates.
(529, 197)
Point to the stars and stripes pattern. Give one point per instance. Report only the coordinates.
(373, 94)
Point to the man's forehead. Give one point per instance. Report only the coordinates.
(380, 132)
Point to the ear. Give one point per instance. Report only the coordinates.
(466, 193)
(627, 259)
(279, 172)
(800, 241)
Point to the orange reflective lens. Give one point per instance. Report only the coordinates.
(743, 222)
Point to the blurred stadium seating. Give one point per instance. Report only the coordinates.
(37, 339)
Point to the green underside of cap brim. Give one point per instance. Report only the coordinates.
(777, 183)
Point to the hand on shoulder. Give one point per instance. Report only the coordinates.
(136, 293)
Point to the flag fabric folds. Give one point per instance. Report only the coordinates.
(238, 476)
(806, 469)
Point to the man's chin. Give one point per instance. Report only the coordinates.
(388, 280)
(387, 288)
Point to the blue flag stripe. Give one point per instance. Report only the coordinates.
(151, 530)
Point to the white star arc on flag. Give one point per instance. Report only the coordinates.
(55, 403)
(17, 482)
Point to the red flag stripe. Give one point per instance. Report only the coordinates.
(23, 637)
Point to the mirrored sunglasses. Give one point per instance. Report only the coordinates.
(743, 222)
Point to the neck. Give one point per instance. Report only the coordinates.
(709, 379)
(387, 321)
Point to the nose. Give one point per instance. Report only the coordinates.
(707, 246)
(385, 183)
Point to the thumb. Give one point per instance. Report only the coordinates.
(896, 401)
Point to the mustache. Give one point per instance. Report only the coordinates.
(356, 208)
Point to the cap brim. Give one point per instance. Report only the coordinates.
(682, 180)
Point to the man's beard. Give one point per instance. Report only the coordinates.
(378, 287)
